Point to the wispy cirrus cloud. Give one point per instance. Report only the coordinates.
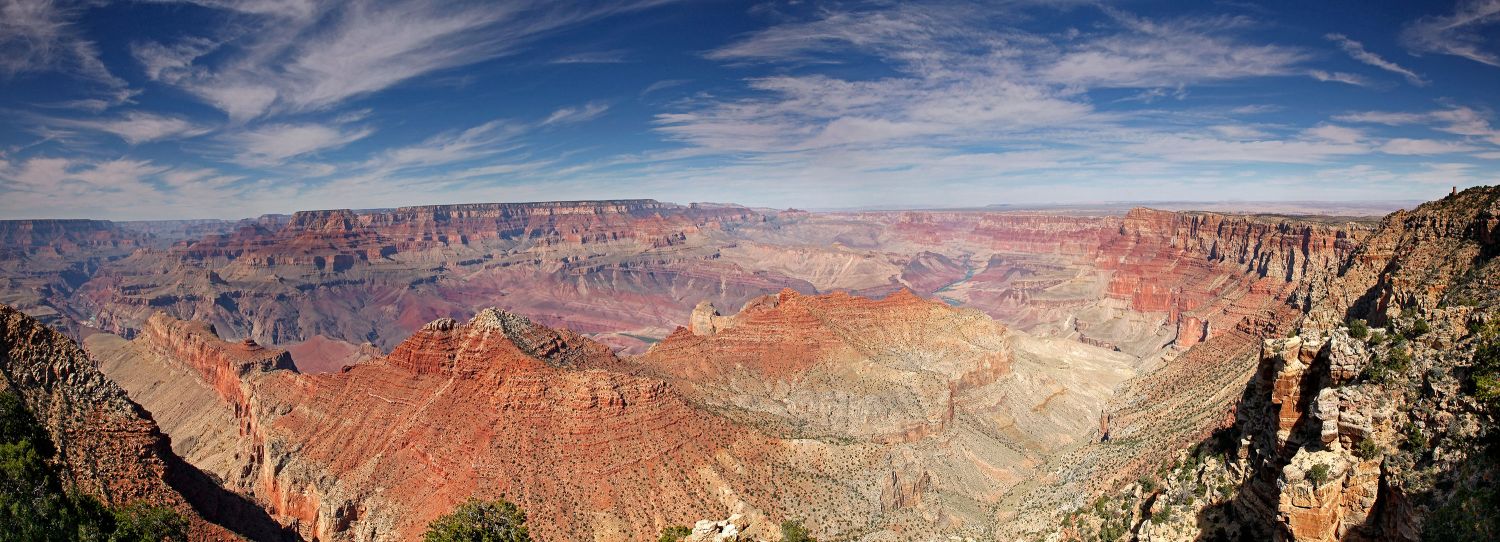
(275, 144)
(312, 56)
(613, 56)
(42, 36)
(1464, 121)
(122, 188)
(136, 127)
(1339, 77)
(1357, 51)
(1468, 32)
(575, 114)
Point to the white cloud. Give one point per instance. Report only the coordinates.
(1423, 147)
(1467, 32)
(1358, 52)
(138, 127)
(1335, 133)
(40, 35)
(274, 144)
(582, 113)
(1164, 54)
(616, 56)
(1338, 77)
(1457, 120)
(487, 139)
(306, 57)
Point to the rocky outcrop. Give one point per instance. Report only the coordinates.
(497, 405)
(107, 445)
(1378, 437)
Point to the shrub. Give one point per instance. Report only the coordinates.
(1148, 484)
(674, 533)
(480, 521)
(1487, 387)
(792, 530)
(1358, 329)
(1418, 329)
(1163, 516)
(1367, 449)
(1399, 359)
(1375, 339)
(143, 522)
(1318, 474)
(1113, 530)
(35, 506)
(1416, 439)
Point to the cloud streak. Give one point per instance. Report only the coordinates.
(1357, 51)
(1468, 32)
(303, 57)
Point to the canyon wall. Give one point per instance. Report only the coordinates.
(107, 446)
(1352, 430)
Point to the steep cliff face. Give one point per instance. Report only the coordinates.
(108, 446)
(40, 238)
(1210, 272)
(43, 262)
(1349, 432)
(400, 268)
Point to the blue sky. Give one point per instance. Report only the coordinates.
(212, 108)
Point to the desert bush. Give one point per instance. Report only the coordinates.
(1416, 439)
(792, 530)
(1367, 449)
(1358, 329)
(480, 521)
(674, 533)
(35, 506)
(1418, 329)
(1318, 474)
(141, 521)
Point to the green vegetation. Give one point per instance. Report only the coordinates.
(1148, 484)
(1375, 339)
(1486, 375)
(674, 533)
(1416, 439)
(1163, 516)
(1418, 329)
(1318, 474)
(480, 521)
(1113, 529)
(1468, 516)
(35, 507)
(1367, 449)
(792, 530)
(1358, 329)
(1395, 361)
(139, 521)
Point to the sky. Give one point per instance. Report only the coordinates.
(219, 109)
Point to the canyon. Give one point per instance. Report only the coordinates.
(616, 367)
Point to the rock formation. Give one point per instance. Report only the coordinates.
(1344, 437)
(107, 445)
